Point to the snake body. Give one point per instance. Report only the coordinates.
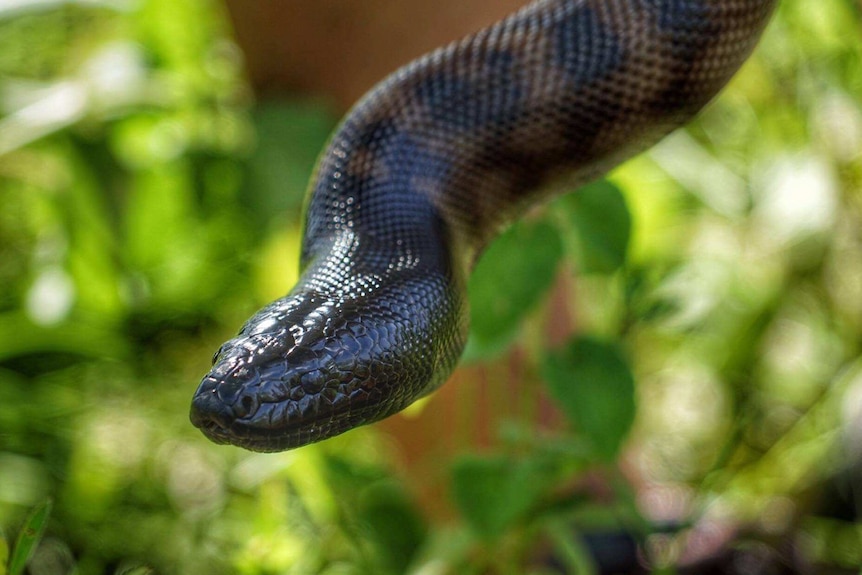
(425, 171)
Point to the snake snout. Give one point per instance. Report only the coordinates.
(219, 403)
(209, 410)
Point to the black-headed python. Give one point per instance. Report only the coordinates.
(425, 171)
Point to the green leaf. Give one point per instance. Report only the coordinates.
(593, 385)
(19, 336)
(29, 537)
(4, 553)
(493, 493)
(290, 136)
(571, 551)
(139, 570)
(394, 525)
(602, 225)
(510, 278)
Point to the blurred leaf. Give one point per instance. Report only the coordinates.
(62, 29)
(387, 518)
(89, 226)
(593, 384)
(510, 278)
(493, 493)
(644, 301)
(571, 550)
(160, 219)
(396, 527)
(602, 224)
(4, 553)
(290, 136)
(342, 474)
(20, 336)
(167, 241)
(164, 27)
(141, 570)
(29, 537)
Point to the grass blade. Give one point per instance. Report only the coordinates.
(4, 552)
(29, 537)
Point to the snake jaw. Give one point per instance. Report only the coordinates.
(291, 418)
(265, 414)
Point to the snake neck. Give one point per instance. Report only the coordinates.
(460, 143)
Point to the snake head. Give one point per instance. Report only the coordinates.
(308, 367)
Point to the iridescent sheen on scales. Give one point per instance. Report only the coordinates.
(426, 170)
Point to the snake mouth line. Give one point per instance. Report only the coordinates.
(243, 433)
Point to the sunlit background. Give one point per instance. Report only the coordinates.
(665, 371)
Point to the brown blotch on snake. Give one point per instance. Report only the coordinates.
(426, 170)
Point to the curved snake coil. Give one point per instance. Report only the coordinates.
(426, 170)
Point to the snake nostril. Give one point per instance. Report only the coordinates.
(246, 406)
(208, 411)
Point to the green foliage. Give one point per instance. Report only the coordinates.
(295, 130)
(511, 277)
(380, 512)
(517, 270)
(593, 385)
(396, 530)
(59, 29)
(601, 222)
(713, 345)
(495, 493)
(29, 536)
(136, 571)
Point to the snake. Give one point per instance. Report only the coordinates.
(426, 170)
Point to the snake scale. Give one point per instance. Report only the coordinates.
(426, 170)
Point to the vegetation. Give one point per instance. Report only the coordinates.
(709, 401)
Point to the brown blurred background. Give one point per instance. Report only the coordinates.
(338, 49)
